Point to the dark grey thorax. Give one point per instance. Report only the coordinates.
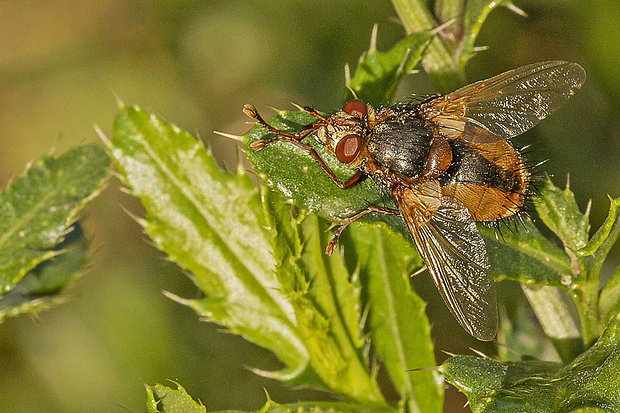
(401, 144)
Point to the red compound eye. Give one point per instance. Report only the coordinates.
(355, 107)
(348, 148)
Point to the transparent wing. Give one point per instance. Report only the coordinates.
(512, 102)
(456, 257)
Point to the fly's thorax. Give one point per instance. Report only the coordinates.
(400, 142)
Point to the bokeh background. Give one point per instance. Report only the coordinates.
(63, 64)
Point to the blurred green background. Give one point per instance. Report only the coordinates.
(64, 62)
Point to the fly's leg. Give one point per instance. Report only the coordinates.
(283, 136)
(373, 208)
(314, 113)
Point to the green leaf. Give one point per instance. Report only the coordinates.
(41, 288)
(335, 291)
(326, 302)
(379, 73)
(283, 220)
(559, 211)
(590, 381)
(212, 224)
(507, 387)
(39, 207)
(598, 247)
(163, 399)
(606, 236)
(397, 323)
(523, 254)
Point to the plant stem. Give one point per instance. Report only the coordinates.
(555, 319)
(438, 62)
(585, 302)
(585, 296)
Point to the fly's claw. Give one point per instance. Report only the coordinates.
(258, 145)
(332, 244)
(331, 247)
(250, 111)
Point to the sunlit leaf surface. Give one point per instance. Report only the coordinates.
(212, 224)
(560, 212)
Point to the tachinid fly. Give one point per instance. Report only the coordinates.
(447, 163)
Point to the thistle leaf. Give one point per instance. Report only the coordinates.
(559, 211)
(43, 286)
(162, 399)
(326, 301)
(212, 224)
(40, 206)
(397, 323)
(378, 73)
(523, 254)
(590, 381)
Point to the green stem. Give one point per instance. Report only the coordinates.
(585, 302)
(438, 62)
(446, 11)
(585, 296)
(555, 319)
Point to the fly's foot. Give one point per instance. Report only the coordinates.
(331, 247)
(250, 111)
(332, 244)
(258, 145)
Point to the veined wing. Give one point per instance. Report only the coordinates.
(510, 103)
(456, 257)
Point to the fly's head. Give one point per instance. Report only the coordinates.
(345, 132)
